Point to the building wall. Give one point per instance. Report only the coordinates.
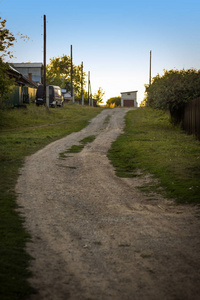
(16, 97)
(36, 73)
(30, 68)
(32, 94)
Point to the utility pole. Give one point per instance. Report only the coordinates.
(44, 79)
(82, 95)
(72, 90)
(89, 88)
(150, 70)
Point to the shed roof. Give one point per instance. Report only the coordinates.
(128, 92)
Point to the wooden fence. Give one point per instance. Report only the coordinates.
(17, 97)
(191, 119)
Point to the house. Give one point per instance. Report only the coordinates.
(129, 99)
(24, 88)
(32, 71)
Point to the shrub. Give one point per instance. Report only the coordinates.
(114, 100)
(172, 90)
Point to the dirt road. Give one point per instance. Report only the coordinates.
(95, 236)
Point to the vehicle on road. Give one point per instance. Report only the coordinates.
(55, 96)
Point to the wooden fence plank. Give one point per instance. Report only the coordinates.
(191, 119)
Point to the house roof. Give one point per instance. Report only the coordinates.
(27, 65)
(19, 78)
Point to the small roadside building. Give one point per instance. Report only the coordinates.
(129, 99)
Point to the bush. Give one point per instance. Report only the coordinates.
(114, 100)
(172, 90)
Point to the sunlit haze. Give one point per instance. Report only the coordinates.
(113, 38)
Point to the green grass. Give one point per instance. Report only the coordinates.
(88, 139)
(151, 143)
(23, 132)
(78, 148)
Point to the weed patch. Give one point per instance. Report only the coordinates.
(79, 148)
(75, 149)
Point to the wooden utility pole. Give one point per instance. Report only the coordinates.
(44, 79)
(89, 88)
(150, 70)
(82, 95)
(72, 91)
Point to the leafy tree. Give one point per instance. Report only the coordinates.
(7, 40)
(172, 90)
(98, 96)
(59, 73)
(6, 84)
(116, 100)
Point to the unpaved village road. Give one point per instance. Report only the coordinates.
(95, 236)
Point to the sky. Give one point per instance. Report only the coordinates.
(112, 38)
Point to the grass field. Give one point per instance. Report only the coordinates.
(23, 132)
(152, 144)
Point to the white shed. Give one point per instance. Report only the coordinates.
(129, 99)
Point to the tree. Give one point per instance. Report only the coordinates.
(98, 96)
(6, 41)
(172, 90)
(116, 100)
(59, 73)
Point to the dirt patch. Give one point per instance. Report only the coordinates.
(94, 235)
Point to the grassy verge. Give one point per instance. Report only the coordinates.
(152, 144)
(23, 132)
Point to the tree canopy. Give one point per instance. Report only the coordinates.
(172, 90)
(59, 73)
(7, 40)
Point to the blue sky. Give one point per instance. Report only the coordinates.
(113, 38)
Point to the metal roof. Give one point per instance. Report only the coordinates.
(27, 65)
(128, 92)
